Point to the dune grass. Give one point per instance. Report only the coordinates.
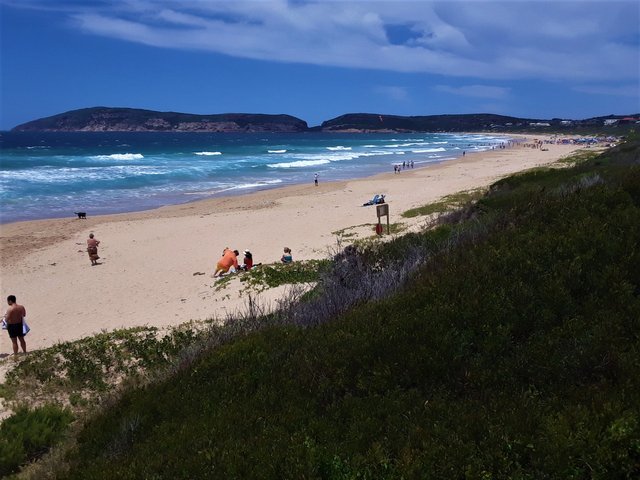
(447, 203)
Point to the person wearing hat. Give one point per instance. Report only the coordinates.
(248, 261)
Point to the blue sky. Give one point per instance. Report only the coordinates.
(320, 59)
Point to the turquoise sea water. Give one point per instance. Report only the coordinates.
(50, 175)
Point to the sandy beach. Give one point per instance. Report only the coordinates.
(156, 266)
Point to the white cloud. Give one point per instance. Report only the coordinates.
(585, 41)
(478, 91)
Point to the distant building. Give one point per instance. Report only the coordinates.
(566, 123)
(539, 124)
(610, 121)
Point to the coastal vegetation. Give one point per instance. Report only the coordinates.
(104, 119)
(447, 203)
(503, 342)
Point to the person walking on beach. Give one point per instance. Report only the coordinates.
(315, 179)
(14, 317)
(92, 249)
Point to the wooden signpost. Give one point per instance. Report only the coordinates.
(382, 211)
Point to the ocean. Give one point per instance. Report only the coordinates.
(54, 174)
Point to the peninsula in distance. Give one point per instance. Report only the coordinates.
(106, 119)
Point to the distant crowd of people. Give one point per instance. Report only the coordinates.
(399, 167)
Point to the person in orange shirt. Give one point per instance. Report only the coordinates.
(228, 262)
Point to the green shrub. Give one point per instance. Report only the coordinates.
(28, 434)
(274, 275)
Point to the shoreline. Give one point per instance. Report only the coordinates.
(156, 264)
(229, 184)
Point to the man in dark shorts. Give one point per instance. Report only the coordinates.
(14, 315)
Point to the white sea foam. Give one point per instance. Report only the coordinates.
(375, 154)
(119, 156)
(411, 144)
(277, 151)
(225, 187)
(429, 150)
(254, 185)
(338, 147)
(299, 164)
(208, 154)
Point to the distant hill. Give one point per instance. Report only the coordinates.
(373, 122)
(104, 119)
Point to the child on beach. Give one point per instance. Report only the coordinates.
(287, 257)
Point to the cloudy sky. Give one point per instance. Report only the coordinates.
(320, 59)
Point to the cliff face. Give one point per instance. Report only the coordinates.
(102, 119)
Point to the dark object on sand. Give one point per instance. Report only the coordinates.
(376, 200)
(81, 215)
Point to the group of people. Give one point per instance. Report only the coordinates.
(228, 263)
(13, 320)
(399, 168)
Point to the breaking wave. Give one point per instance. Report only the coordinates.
(299, 164)
(119, 156)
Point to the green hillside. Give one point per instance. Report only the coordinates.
(135, 119)
(505, 343)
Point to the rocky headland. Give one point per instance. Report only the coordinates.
(105, 119)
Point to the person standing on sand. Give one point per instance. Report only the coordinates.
(315, 179)
(14, 316)
(92, 249)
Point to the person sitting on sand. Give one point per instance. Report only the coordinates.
(247, 262)
(92, 249)
(228, 262)
(286, 257)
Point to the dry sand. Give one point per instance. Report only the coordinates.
(150, 260)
